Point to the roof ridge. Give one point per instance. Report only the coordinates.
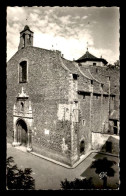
(95, 78)
(76, 65)
(63, 65)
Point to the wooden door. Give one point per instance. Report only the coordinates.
(22, 132)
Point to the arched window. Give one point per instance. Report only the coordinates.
(23, 72)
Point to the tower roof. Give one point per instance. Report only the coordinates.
(89, 57)
(26, 28)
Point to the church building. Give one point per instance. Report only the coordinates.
(59, 108)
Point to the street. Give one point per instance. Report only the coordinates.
(48, 175)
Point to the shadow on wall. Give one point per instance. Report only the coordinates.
(111, 146)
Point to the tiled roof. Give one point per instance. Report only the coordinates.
(89, 57)
(98, 76)
(70, 65)
(74, 68)
(86, 72)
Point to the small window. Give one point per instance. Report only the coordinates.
(101, 85)
(94, 64)
(75, 76)
(23, 72)
(79, 64)
(91, 82)
(83, 122)
(67, 110)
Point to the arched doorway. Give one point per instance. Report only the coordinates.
(22, 132)
(82, 146)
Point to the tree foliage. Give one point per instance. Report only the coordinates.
(17, 178)
(101, 166)
(77, 184)
(104, 165)
(115, 65)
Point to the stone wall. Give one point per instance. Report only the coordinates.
(114, 74)
(84, 83)
(84, 121)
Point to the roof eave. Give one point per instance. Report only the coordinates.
(27, 30)
(88, 59)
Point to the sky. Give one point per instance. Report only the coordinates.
(67, 29)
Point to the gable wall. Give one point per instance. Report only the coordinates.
(47, 88)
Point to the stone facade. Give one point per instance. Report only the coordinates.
(60, 106)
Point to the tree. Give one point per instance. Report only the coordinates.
(17, 178)
(103, 169)
(110, 66)
(77, 184)
(117, 64)
(114, 65)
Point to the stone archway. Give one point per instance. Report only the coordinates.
(22, 121)
(22, 132)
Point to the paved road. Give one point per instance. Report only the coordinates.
(47, 175)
